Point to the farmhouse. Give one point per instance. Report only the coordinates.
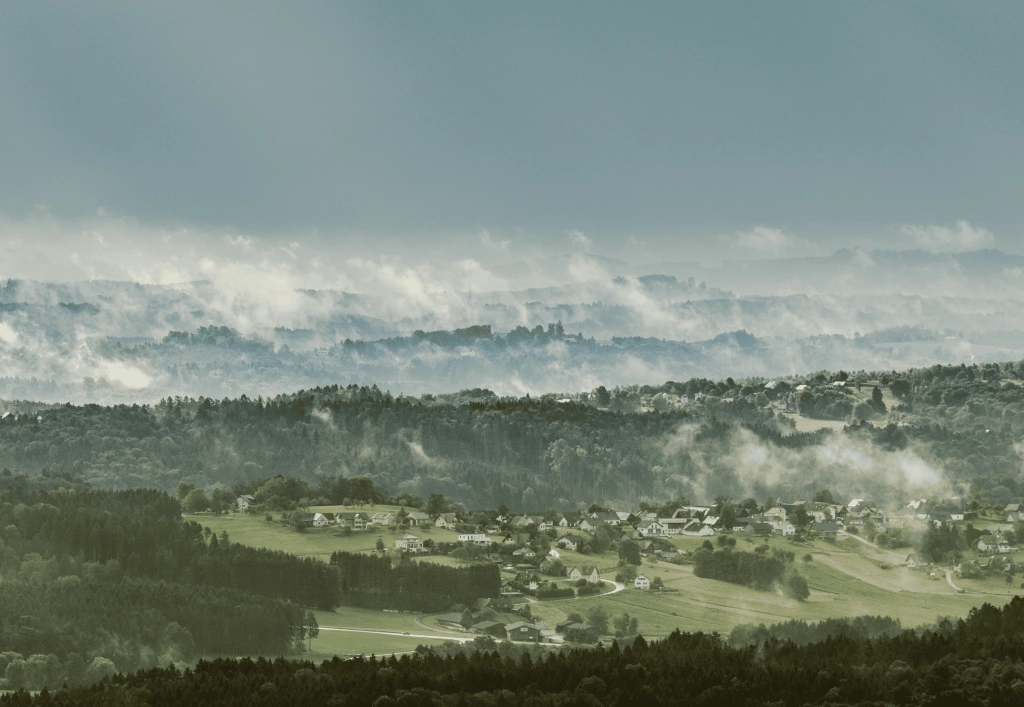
(590, 524)
(571, 542)
(315, 520)
(824, 530)
(522, 631)
(587, 572)
(452, 620)
(993, 544)
(490, 628)
(758, 530)
(447, 521)
(244, 503)
(609, 517)
(914, 560)
(382, 518)
(697, 529)
(417, 518)
(650, 527)
(356, 521)
(785, 528)
(641, 582)
(409, 543)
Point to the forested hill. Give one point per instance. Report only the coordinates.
(952, 427)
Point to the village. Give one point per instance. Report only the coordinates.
(549, 557)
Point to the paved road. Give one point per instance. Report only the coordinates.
(458, 639)
(397, 633)
(619, 586)
(949, 578)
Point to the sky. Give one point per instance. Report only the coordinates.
(152, 139)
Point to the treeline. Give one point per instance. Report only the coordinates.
(757, 569)
(373, 582)
(801, 633)
(159, 545)
(976, 661)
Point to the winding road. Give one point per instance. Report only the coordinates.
(949, 578)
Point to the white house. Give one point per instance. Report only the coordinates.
(417, 518)
(784, 528)
(697, 529)
(570, 542)
(446, 520)
(409, 543)
(316, 520)
(356, 520)
(243, 503)
(650, 527)
(382, 518)
(641, 582)
(474, 538)
(586, 572)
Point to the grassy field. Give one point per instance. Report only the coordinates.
(846, 578)
(314, 542)
(332, 643)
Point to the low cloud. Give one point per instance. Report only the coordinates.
(766, 240)
(490, 241)
(962, 236)
(580, 240)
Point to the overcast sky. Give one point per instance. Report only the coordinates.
(491, 130)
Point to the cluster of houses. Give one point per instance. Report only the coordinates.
(525, 631)
(824, 520)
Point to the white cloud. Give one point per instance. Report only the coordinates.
(241, 242)
(488, 240)
(7, 334)
(580, 241)
(962, 236)
(764, 239)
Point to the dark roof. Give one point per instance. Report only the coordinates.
(452, 618)
(484, 625)
(825, 527)
(518, 624)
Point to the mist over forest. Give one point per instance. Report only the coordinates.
(601, 323)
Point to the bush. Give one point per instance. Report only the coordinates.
(588, 589)
(553, 591)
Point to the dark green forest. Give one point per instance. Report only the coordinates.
(974, 661)
(93, 582)
(372, 582)
(528, 453)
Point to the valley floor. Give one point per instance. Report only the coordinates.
(848, 577)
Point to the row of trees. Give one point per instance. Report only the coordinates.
(375, 582)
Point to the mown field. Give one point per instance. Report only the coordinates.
(846, 578)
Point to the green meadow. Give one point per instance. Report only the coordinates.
(846, 578)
